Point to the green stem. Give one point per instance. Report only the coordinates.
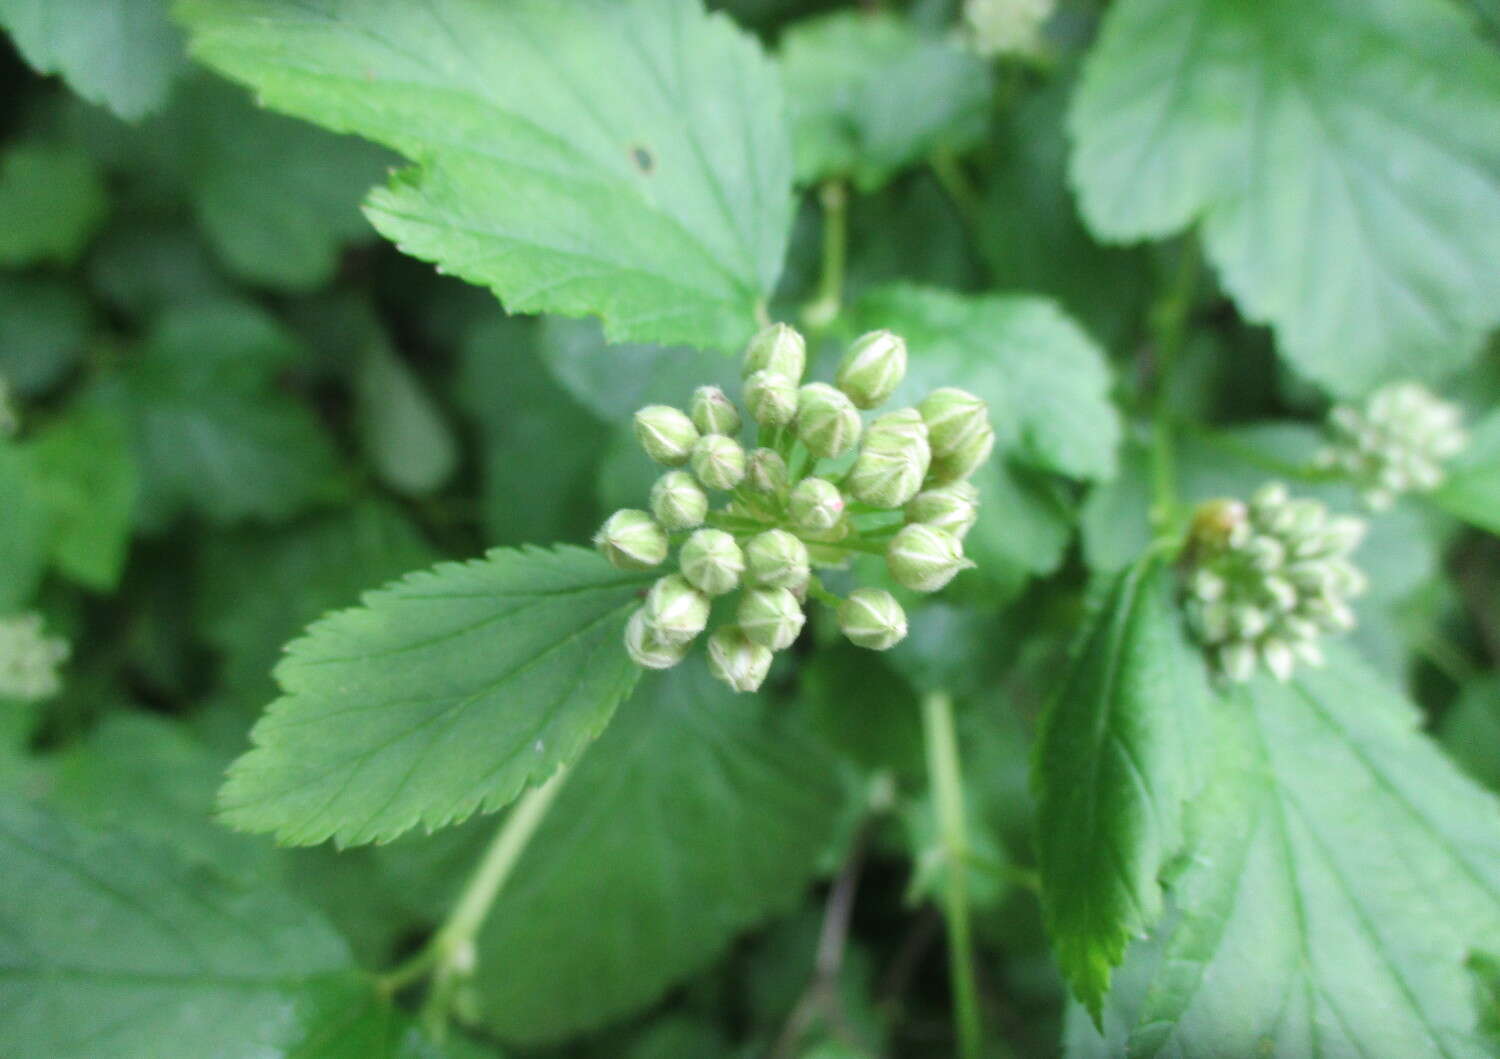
(1169, 320)
(448, 957)
(948, 794)
(818, 591)
(826, 305)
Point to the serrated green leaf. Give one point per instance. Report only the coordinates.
(871, 93)
(1471, 489)
(443, 695)
(122, 55)
(623, 158)
(52, 199)
(1344, 872)
(1046, 381)
(1113, 767)
(85, 475)
(1338, 157)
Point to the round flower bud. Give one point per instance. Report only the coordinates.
(1279, 657)
(712, 561)
(646, 649)
(1237, 660)
(827, 421)
(873, 368)
(713, 412)
(765, 472)
(777, 559)
(676, 610)
(771, 398)
(954, 419)
(888, 476)
(872, 618)
(678, 502)
(718, 461)
(899, 428)
(964, 461)
(736, 659)
(953, 507)
(815, 506)
(925, 559)
(778, 349)
(631, 540)
(771, 617)
(667, 435)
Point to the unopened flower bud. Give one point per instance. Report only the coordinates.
(777, 559)
(873, 368)
(29, 659)
(954, 419)
(827, 421)
(676, 610)
(713, 412)
(872, 618)
(1007, 27)
(667, 434)
(966, 459)
(924, 559)
(897, 429)
(779, 349)
(678, 501)
(888, 476)
(771, 398)
(1237, 660)
(718, 461)
(646, 649)
(736, 659)
(765, 472)
(1278, 657)
(771, 617)
(632, 540)
(953, 507)
(712, 561)
(815, 506)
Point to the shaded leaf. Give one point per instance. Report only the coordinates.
(52, 199)
(1472, 487)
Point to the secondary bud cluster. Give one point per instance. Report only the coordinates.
(1265, 582)
(1007, 27)
(897, 486)
(1396, 443)
(29, 659)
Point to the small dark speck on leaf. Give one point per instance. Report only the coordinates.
(642, 159)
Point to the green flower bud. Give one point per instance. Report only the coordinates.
(777, 559)
(778, 349)
(676, 610)
(631, 540)
(718, 461)
(897, 429)
(873, 368)
(872, 618)
(954, 419)
(29, 659)
(771, 398)
(771, 617)
(678, 502)
(964, 461)
(953, 507)
(765, 472)
(736, 659)
(888, 476)
(646, 649)
(713, 412)
(667, 435)
(925, 559)
(1237, 661)
(712, 561)
(815, 506)
(827, 421)
(1279, 657)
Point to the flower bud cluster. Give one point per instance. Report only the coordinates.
(1265, 582)
(1396, 444)
(817, 480)
(29, 659)
(1007, 27)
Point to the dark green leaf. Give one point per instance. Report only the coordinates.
(86, 476)
(52, 199)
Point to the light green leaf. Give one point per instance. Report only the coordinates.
(123, 54)
(44, 324)
(1113, 766)
(1343, 872)
(1024, 526)
(1046, 381)
(624, 158)
(1472, 487)
(699, 814)
(871, 93)
(402, 428)
(52, 199)
(85, 474)
(444, 694)
(1338, 155)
